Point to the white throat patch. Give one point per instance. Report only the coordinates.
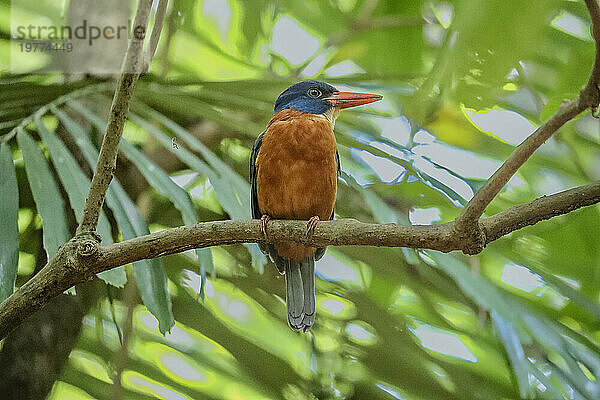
(332, 115)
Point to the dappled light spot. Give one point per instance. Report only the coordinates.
(424, 216)
(550, 181)
(572, 25)
(336, 307)
(192, 280)
(386, 170)
(136, 381)
(459, 186)
(463, 162)
(181, 368)
(506, 125)
(346, 67)
(148, 321)
(335, 267)
(292, 41)
(396, 129)
(90, 364)
(220, 12)
(521, 277)
(443, 342)
(180, 337)
(444, 13)
(424, 137)
(209, 289)
(403, 297)
(361, 332)
(391, 390)
(227, 303)
(184, 179)
(317, 64)
(434, 34)
(238, 310)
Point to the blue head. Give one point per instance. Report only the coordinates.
(314, 97)
(307, 96)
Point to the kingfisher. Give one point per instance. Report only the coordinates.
(294, 167)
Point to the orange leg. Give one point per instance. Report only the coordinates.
(312, 223)
(263, 223)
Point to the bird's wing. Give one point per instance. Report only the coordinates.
(321, 250)
(256, 214)
(267, 248)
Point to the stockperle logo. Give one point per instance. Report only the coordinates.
(74, 37)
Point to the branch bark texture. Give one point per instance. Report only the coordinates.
(467, 225)
(79, 260)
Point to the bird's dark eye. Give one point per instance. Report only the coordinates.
(314, 93)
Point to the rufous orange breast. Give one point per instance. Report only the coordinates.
(297, 177)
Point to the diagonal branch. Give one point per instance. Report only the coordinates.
(589, 94)
(130, 72)
(492, 187)
(78, 260)
(466, 223)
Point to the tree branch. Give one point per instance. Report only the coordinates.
(79, 260)
(130, 72)
(476, 207)
(589, 94)
(466, 223)
(82, 257)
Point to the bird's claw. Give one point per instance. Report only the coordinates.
(263, 223)
(312, 223)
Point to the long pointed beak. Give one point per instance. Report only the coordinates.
(351, 99)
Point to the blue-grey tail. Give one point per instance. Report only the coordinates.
(300, 292)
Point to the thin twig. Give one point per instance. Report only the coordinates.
(155, 36)
(130, 72)
(466, 224)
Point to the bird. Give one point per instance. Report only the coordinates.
(294, 168)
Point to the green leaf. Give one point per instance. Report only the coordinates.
(150, 274)
(238, 186)
(47, 197)
(479, 289)
(160, 181)
(232, 190)
(488, 47)
(77, 186)
(513, 347)
(9, 212)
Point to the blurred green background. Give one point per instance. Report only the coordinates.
(463, 83)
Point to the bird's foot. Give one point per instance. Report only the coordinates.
(312, 223)
(263, 223)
